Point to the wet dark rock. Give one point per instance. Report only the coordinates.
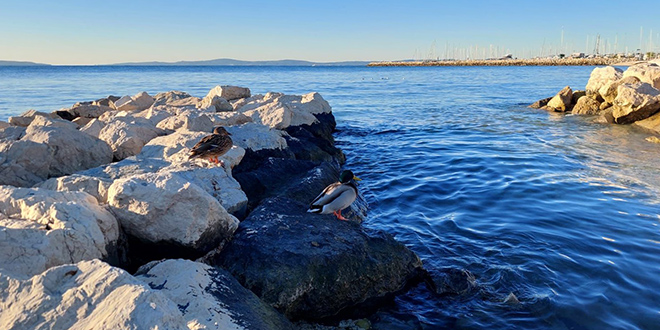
(452, 281)
(540, 103)
(314, 267)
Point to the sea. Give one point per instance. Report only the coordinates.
(555, 209)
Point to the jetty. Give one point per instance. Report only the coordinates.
(512, 62)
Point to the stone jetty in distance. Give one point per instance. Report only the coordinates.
(510, 61)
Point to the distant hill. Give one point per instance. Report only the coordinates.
(20, 63)
(232, 62)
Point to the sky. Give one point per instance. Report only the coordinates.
(69, 32)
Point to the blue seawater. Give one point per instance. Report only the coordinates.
(556, 209)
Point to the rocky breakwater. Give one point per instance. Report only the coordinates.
(102, 215)
(615, 96)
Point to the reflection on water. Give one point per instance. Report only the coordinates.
(496, 198)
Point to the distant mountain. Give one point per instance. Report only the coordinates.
(232, 62)
(20, 63)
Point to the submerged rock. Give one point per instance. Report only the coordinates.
(210, 298)
(86, 295)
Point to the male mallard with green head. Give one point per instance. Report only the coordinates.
(213, 146)
(336, 196)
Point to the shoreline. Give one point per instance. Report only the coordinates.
(512, 62)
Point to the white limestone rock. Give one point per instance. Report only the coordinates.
(586, 105)
(651, 124)
(256, 137)
(280, 111)
(70, 150)
(215, 103)
(51, 122)
(165, 208)
(228, 93)
(41, 228)
(138, 102)
(215, 180)
(176, 147)
(154, 115)
(93, 128)
(169, 97)
(89, 110)
(609, 90)
(26, 117)
(635, 102)
(12, 133)
(95, 186)
(86, 295)
(188, 120)
(562, 101)
(600, 76)
(213, 298)
(645, 72)
(127, 135)
(24, 163)
(232, 118)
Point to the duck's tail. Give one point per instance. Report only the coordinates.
(315, 209)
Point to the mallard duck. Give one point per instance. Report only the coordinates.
(336, 196)
(213, 146)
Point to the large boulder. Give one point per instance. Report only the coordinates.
(229, 118)
(609, 90)
(127, 135)
(89, 110)
(49, 148)
(93, 128)
(12, 132)
(329, 265)
(70, 149)
(257, 137)
(169, 97)
(586, 106)
(635, 102)
(645, 72)
(42, 229)
(562, 101)
(228, 93)
(600, 76)
(311, 266)
(95, 186)
(210, 298)
(187, 120)
(26, 118)
(164, 209)
(215, 103)
(280, 111)
(86, 295)
(138, 102)
(176, 147)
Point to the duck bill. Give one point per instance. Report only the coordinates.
(356, 178)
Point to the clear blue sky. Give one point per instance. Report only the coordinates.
(100, 32)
